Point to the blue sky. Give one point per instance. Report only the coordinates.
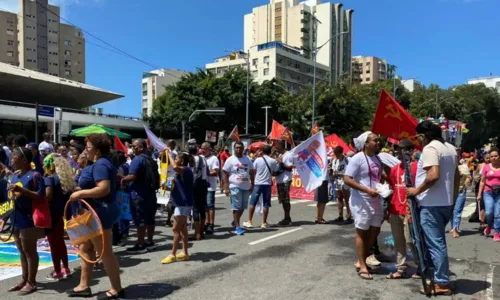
(439, 41)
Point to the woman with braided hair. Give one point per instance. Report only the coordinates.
(59, 185)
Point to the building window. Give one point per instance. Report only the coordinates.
(67, 43)
(10, 53)
(367, 79)
(67, 62)
(67, 73)
(10, 32)
(266, 71)
(67, 53)
(255, 61)
(144, 92)
(266, 59)
(10, 21)
(10, 43)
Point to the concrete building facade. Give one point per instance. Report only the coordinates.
(40, 42)
(153, 85)
(368, 69)
(305, 26)
(491, 82)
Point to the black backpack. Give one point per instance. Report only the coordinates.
(152, 176)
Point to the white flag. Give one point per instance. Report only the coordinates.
(311, 161)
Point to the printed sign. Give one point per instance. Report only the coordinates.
(211, 136)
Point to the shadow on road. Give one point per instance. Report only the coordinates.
(149, 290)
(209, 256)
(469, 287)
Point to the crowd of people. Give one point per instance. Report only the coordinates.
(112, 181)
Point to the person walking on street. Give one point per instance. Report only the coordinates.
(437, 184)
(265, 167)
(489, 189)
(239, 179)
(284, 181)
(363, 174)
(200, 172)
(213, 172)
(465, 183)
(339, 165)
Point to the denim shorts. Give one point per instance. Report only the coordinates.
(182, 211)
(211, 200)
(265, 192)
(108, 213)
(239, 198)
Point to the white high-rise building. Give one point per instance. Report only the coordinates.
(491, 82)
(153, 85)
(304, 26)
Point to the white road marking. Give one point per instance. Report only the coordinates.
(488, 293)
(299, 201)
(274, 236)
(468, 210)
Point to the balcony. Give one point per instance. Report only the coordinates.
(305, 30)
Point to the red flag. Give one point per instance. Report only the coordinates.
(234, 135)
(277, 131)
(333, 141)
(393, 121)
(392, 141)
(119, 146)
(315, 128)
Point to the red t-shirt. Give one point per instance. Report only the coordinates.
(223, 157)
(397, 206)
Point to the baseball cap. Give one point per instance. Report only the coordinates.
(32, 145)
(406, 144)
(45, 147)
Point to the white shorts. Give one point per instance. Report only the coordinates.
(368, 214)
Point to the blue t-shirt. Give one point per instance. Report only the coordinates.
(124, 169)
(59, 198)
(140, 184)
(182, 194)
(24, 213)
(38, 161)
(74, 165)
(102, 169)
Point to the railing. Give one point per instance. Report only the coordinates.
(71, 110)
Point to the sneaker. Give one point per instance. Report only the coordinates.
(248, 224)
(339, 220)
(372, 261)
(150, 246)
(487, 231)
(169, 259)
(284, 222)
(239, 231)
(137, 249)
(496, 237)
(54, 276)
(209, 229)
(348, 221)
(66, 273)
(263, 225)
(182, 256)
(212, 230)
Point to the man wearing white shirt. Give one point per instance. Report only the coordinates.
(213, 172)
(284, 181)
(265, 167)
(45, 147)
(437, 184)
(239, 178)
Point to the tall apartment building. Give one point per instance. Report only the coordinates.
(368, 69)
(40, 42)
(304, 26)
(491, 82)
(153, 85)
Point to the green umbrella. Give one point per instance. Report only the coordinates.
(96, 128)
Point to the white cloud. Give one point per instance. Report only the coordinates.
(13, 5)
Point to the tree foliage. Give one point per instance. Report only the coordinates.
(343, 108)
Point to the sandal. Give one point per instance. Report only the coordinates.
(402, 275)
(108, 295)
(370, 269)
(320, 221)
(27, 289)
(416, 276)
(17, 287)
(360, 274)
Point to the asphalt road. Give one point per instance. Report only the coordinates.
(304, 261)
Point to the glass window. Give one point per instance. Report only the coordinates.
(266, 59)
(10, 32)
(10, 42)
(255, 61)
(266, 71)
(10, 53)
(67, 53)
(67, 43)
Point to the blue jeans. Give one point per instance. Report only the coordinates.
(211, 200)
(457, 211)
(239, 198)
(492, 210)
(265, 191)
(433, 220)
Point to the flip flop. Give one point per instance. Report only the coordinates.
(17, 287)
(365, 278)
(391, 276)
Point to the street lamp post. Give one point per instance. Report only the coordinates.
(266, 108)
(315, 54)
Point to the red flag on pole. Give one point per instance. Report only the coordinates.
(393, 121)
(234, 135)
(280, 132)
(333, 141)
(119, 146)
(315, 128)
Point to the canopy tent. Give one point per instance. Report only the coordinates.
(96, 128)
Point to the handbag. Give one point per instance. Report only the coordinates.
(40, 210)
(494, 188)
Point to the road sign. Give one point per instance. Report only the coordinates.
(46, 111)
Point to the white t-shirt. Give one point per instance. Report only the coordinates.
(338, 168)
(359, 171)
(286, 176)
(213, 164)
(238, 169)
(262, 174)
(444, 156)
